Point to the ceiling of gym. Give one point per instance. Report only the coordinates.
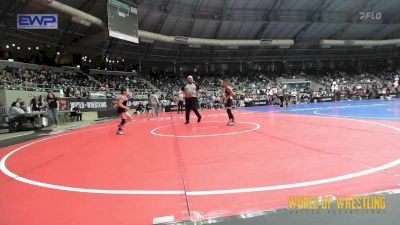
(305, 21)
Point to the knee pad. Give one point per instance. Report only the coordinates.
(123, 121)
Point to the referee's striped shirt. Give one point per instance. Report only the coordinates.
(191, 90)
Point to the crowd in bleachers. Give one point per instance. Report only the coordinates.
(27, 79)
(113, 82)
(167, 82)
(263, 85)
(358, 85)
(71, 83)
(248, 86)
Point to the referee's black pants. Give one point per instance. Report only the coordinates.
(191, 104)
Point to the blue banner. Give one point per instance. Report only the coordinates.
(37, 21)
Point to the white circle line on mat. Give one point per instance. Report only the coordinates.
(355, 117)
(257, 126)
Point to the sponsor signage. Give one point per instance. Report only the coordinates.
(37, 21)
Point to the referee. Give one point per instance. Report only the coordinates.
(191, 92)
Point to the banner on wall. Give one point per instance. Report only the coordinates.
(95, 105)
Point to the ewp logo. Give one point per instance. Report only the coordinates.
(37, 21)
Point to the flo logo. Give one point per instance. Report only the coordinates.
(370, 15)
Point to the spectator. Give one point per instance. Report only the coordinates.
(140, 108)
(34, 104)
(16, 114)
(23, 106)
(77, 113)
(148, 108)
(52, 108)
(155, 104)
(40, 103)
(180, 101)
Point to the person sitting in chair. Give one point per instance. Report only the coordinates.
(148, 108)
(140, 108)
(77, 113)
(16, 116)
